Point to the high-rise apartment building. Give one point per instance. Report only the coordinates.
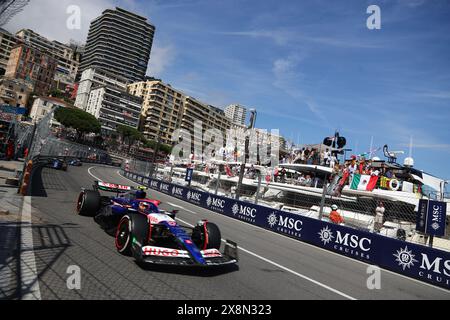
(15, 92)
(68, 56)
(33, 66)
(7, 42)
(166, 109)
(114, 107)
(119, 41)
(237, 113)
(161, 109)
(92, 78)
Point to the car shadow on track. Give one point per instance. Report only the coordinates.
(190, 271)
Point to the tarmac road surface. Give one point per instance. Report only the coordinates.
(271, 266)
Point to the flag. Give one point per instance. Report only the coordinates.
(364, 182)
(228, 170)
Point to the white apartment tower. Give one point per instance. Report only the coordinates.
(236, 113)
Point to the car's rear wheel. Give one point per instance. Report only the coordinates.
(207, 236)
(88, 203)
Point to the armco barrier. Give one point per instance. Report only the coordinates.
(409, 259)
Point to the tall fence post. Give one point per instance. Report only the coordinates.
(218, 183)
(171, 171)
(258, 189)
(322, 201)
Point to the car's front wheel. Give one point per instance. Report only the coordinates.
(131, 228)
(206, 235)
(123, 236)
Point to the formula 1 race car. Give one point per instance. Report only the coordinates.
(58, 164)
(75, 163)
(150, 234)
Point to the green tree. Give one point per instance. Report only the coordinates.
(129, 134)
(162, 147)
(79, 120)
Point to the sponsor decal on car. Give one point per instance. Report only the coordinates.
(114, 186)
(211, 253)
(156, 218)
(164, 252)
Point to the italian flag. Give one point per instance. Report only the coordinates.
(364, 182)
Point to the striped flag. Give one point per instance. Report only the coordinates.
(364, 182)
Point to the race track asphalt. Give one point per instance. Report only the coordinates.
(271, 266)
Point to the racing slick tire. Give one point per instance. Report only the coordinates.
(207, 236)
(88, 203)
(132, 230)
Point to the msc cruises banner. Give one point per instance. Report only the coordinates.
(420, 262)
(431, 217)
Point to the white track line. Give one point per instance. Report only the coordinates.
(90, 173)
(180, 207)
(284, 268)
(29, 276)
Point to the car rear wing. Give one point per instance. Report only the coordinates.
(112, 187)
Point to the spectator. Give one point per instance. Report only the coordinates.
(275, 175)
(283, 175)
(379, 217)
(326, 157)
(301, 180)
(308, 181)
(303, 156)
(10, 150)
(333, 161)
(335, 217)
(389, 174)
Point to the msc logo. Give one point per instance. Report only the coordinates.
(215, 202)
(164, 187)
(283, 222)
(154, 184)
(405, 258)
(348, 240)
(193, 196)
(243, 210)
(436, 270)
(177, 191)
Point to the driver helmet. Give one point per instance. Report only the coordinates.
(143, 206)
(334, 207)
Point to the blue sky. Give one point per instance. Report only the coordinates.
(308, 67)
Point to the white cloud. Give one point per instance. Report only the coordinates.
(49, 18)
(161, 58)
(289, 79)
(289, 37)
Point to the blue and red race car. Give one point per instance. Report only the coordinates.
(152, 235)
